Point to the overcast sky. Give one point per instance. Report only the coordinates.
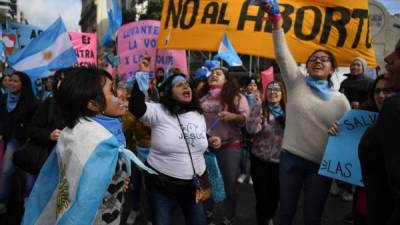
(43, 12)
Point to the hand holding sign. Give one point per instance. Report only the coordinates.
(144, 64)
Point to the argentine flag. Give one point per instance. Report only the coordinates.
(227, 53)
(114, 21)
(2, 55)
(74, 179)
(51, 50)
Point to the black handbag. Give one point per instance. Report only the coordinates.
(31, 156)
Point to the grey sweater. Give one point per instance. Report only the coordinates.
(308, 117)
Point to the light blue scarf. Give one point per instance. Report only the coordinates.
(12, 101)
(112, 124)
(46, 95)
(320, 87)
(276, 110)
(4, 91)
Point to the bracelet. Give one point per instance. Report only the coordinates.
(275, 18)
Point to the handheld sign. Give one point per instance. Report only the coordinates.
(85, 47)
(258, 2)
(340, 26)
(341, 160)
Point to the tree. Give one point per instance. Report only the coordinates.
(154, 9)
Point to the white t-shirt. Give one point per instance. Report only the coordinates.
(168, 152)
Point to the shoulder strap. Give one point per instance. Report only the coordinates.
(187, 144)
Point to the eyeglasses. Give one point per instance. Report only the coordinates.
(323, 58)
(274, 89)
(385, 91)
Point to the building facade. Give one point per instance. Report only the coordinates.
(385, 29)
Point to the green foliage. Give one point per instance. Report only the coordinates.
(154, 9)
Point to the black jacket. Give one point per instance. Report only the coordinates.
(379, 153)
(356, 88)
(17, 122)
(47, 118)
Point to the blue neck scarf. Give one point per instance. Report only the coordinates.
(12, 101)
(112, 124)
(320, 87)
(46, 95)
(4, 91)
(276, 110)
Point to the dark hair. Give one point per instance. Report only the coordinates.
(27, 98)
(370, 104)
(230, 91)
(60, 75)
(332, 60)
(2, 78)
(174, 107)
(77, 89)
(26, 91)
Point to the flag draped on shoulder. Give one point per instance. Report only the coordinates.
(114, 14)
(227, 53)
(75, 177)
(51, 50)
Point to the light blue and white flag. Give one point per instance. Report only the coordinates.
(114, 21)
(25, 33)
(227, 53)
(51, 50)
(2, 54)
(74, 179)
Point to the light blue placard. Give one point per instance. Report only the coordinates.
(341, 160)
(25, 33)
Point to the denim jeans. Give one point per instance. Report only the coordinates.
(7, 171)
(295, 174)
(229, 163)
(163, 205)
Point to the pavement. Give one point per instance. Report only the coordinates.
(335, 210)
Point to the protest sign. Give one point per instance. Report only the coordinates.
(85, 46)
(266, 77)
(340, 26)
(25, 33)
(341, 160)
(137, 38)
(176, 58)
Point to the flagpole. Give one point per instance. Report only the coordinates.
(250, 66)
(188, 62)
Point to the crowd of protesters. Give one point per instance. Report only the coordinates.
(275, 138)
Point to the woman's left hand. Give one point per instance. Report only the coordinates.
(334, 129)
(227, 116)
(215, 142)
(126, 184)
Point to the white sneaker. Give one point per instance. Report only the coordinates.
(250, 181)
(270, 222)
(132, 217)
(347, 196)
(149, 223)
(3, 208)
(241, 178)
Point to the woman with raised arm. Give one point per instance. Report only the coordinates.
(178, 142)
(312, 106)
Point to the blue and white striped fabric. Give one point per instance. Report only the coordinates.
(75, 178)
(51, 50)
(227, 53)
(114, 21)
(2, 54)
